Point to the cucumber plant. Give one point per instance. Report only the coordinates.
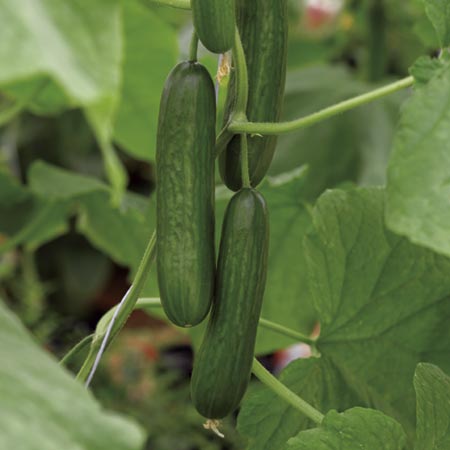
(376, 259)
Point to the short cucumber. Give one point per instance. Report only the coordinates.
(263, 26)
(185, 194)
(214, 22)
(223, 364)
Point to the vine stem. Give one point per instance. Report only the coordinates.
(144, 303)
(286, 331)
(240, 110)
(241, 77)
(125, 308)
(285, 393)
(193, 48)
(263, 128)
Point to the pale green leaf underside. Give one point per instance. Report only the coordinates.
(75, 44)
(150, 53)
(418, 200)
(43, 407)
(438, 12)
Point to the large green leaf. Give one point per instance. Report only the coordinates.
(433, 408)
(43, 407)
(383, 305)
(418, 202)
(42, 209)
(438, 12)
(315, 380)
(120, 232)
(150, 53)
(75, 45)
(26, 219)
(54, 183)
(355, 429)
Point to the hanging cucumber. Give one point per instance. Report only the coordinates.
(214, 22)
(185, 194)
(223, 365)
(263, 27)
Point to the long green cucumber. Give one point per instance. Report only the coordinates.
(223, 364)
(185, 194)
(214, 22)
(263, 26)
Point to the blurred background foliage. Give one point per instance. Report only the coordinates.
(78, 114)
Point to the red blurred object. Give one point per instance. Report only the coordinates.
(321, 13)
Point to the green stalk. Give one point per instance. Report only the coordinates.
(241, 126)
(144, 303)
(285, 393)
(193, 48)
(241, 77)
(129, 302)
(281, 329)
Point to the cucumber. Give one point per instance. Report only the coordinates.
(214, 22)
(263, 26)
(222, 367)
(185, 194)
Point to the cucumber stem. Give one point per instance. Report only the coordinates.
(241, 126)
(241, 77)
(88, 367)
(285, 393)
(286, 331)
(193, 47)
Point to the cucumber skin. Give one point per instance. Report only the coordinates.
(185, 194)
(263, 26)
(223, 365)
(215, 23)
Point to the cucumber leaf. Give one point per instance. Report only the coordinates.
(432, 387)
(43, 407)
(438, 11)
(357, 428)
(418, 188)
(150, 53)
(59, 48)
(383, 305)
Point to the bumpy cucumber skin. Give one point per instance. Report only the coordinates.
(215, 23)
(223, 364)
(185, 194)
(263, 26)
